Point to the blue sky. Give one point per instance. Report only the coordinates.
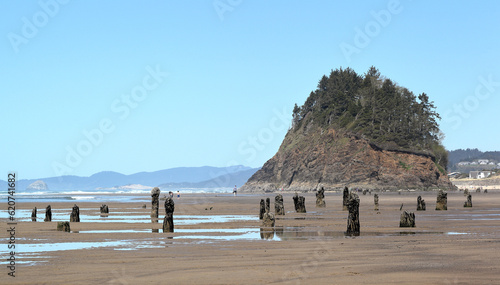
(134, 86)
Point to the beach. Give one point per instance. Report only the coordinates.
(218, 240)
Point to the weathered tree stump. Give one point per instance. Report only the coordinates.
(268, 220)
(320, 198)
(104, 209)
(375, 201)
(353, 228)
(300, 203)
(279, 208)
(468, 203)
(48, 214)
(155, 202)
(485, 191)
(144, 206)
(442, 201)
(420, 204)
(268, 204)
(345, 198)
(168, 221)
(63, 226)
(262, 209)
(364, 191)
(407, 220)
(75, 214)
(33, 215)
(466, 192)
(478, 190)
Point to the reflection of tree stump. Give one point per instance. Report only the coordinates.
(407, 220)
(320, 198)
(48, 214)
(345, 198)
(300, 203)
(375, 201)
(63, 226)
(155, 202)
(353, 218)
(442, 201)
(420, 204)
(33, 215)
(468, 203)
(262, 209)
(266, 233)
(168, 221)
(268, 205)
(104, 209)
(75, 214)
(279, 209)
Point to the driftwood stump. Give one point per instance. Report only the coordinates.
(63, 226)
(262, 209)
(75, 214)
(320, 198)
(48, 214)
(300, 203)
(420, 204)
(168, 221)
(345, 198)
(442, 201)
(104, 209)
(468, 203)
(155, 202)
(407, 220)
(33, 215)
(353, 218)
(279, 208)
(375, 201)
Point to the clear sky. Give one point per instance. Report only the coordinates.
(132, 86)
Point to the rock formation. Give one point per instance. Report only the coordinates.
(375, 201)
(468, 203)
(353, 228)
(268, 205)
(63, 226)
(104, 209)
(155, 202)
(38, 185)
(33, 215)
(345, 198)
(48, 214)
(75, 214)
(300, 203)
(262, 209)
(320, 198)
(442, 201)
(420, 204)
(168, 221)
(279, 208)
(407, 220)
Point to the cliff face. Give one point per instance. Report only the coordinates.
(313, 157)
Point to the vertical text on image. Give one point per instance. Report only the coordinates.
(11, 224)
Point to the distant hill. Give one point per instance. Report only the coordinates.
(227, 180)
(108, 179)
(470, 155)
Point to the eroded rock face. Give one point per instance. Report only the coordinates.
(375, 201)
(155, 202)
(407, 220)
(320, 198)
(262, 209)
(442, 201)
(104, 209)
(300, 203)
(420, 204)
(168, 221)
(468, 203)
(48, 214)
(75, 214)
(33, 215)
(353, 227)
(279, 208)
(63, 226)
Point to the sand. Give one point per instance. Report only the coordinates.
(458, 246)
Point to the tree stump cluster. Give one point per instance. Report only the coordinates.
(345, 198)
(63, 226)
(33, 215)
(262, 209)
(407, 220)
(468, 203)
(75, 214)
(353, 228)
(168, 221)
(279, 208)
(420, 204)
(320, 198)
(300, 203)
(442, 201)
(104, 209)
(155, 202)
(48, 214)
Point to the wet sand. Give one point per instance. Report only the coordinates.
(224, 245)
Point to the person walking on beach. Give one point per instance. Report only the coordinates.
(235, 190)
(178, 194)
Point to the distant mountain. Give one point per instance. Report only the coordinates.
(38, 185)
(108, 179)
(227, 180)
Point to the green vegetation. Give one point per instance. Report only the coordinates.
(374, 107)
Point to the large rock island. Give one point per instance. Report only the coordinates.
(364, 132)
